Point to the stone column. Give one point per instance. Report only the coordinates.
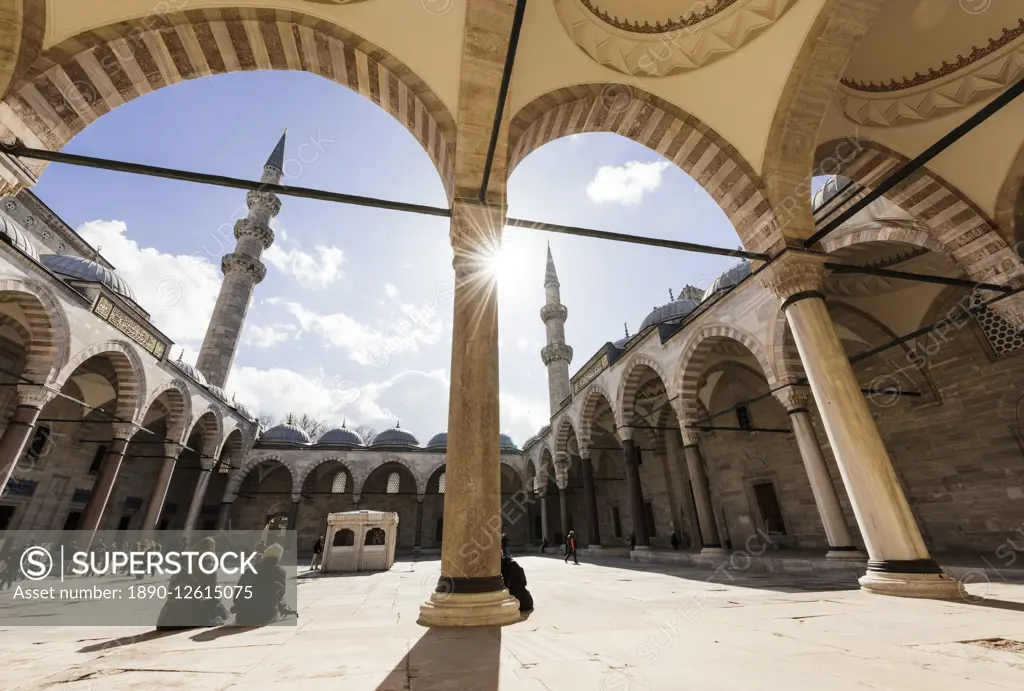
(163, 482)
(590, 499)
(471, 591)
(840, 541)
(563, 512)
(530, 498)
(899, 562)
(636, 492)
(544, 532)
(418, 541)
(196, 505)
(293, 515)
(701, 495)
(18, 433)
(104, 485)
(224, 515)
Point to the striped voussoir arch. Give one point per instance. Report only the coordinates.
(595, 393)
(47, 330)
(694, 358)
(131, 377)
(78, 80)
(963, 230)
(565, 428)
(211, 428)
(662, 127)
(178, 402)
(633, 376)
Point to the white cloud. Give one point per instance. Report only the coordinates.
(179, 291)
(311, 272)
(626, 184)
(522, 344)
(405, 330)
(267, 336)
(522, 417)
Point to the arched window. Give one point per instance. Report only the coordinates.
(344, 538)
(440, 484)
(374, 536)
(394, 482)
(339, 483)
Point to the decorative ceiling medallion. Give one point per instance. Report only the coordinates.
(935, 97)
(695, 40)
(994, 45)
(683, 22)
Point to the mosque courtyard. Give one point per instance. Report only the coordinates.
(611, 626)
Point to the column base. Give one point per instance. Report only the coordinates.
(470, 609)
(714, 552)
(937, 586)
(417, 550)
(639, 547)
(845, 554)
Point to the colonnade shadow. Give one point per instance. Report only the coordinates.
(738, 577)
(448, 658)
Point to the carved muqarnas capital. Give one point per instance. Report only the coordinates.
(248, 228)
(476, 227)
(549, 312)
(556, 351)
(794, 272)
(261, 199)
(793, 397)
(243, 264)
(35, 396)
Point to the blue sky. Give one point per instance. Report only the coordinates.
(338, 328)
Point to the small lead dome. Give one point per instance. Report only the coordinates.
(727, 280)
(673, 311)
(86, 270)
(286, 434)
(507, 444)
(17, 236)
(341, 435)
(395, 437)
(827, 192)
(438, 441)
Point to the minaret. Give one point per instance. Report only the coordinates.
(556, 354)
(242, 271)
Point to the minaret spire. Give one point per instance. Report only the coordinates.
(242, 271)
(556, 355)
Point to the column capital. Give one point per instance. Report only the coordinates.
(625, 433)
(475, 234)
(793, 398)
(585, 452)
(691, 436)
(794, 273)
(420, 497)
(172, 449)
(124, 430)
(34, 396)
(296, 497)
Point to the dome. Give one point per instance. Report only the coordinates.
(285, 433)
(727, 280)
(543, 430)
(673, 311)
(218, 392)
(191, 371)
(86, 270)
(621, 343)
(827, 192)
(395, 437)
(438, 441)
(507, 444)
(529, 442)
(341, 435)
(241, 409)
(16, 235)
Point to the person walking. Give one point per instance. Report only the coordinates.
(570, 548)
(675, 540)
(632, 541)
(318, 550)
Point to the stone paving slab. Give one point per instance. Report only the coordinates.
(608, 626)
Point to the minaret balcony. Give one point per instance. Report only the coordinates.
(556, 352)
(248, 228)
(262, 199)
(243, 264)
(549, 312)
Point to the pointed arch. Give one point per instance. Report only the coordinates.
(963, 231)
(304, 473)
(50, 334)
(211, 426)
(131, 375)
(1009, 211)
(695, 355)
(666, 129)
(361, 478)
(632, 376)
(237, 478)
(179, 406)
(589, 409)
(565, 427)
(86, 76)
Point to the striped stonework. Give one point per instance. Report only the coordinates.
(595, 394)
(662, 127)
(695, 355)
(175, 398)
(46, 326)
(565, 429)
(127, 365)
(77, 81)
(962, 229)
(23, 26)
(211, 429)
(635, 373)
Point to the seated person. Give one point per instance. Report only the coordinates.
(192, 599)
(515, 580)
(264, 603)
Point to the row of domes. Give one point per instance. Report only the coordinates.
(287, 433)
